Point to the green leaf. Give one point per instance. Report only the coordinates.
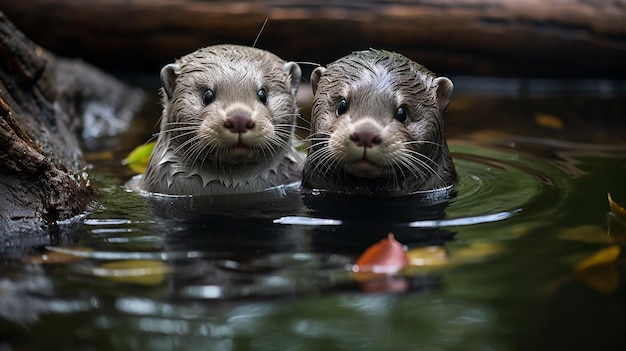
(138, 159)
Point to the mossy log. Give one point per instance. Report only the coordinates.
(578, 38)
(44, 101)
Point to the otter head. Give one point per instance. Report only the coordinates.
(377, 127)
(227, 108)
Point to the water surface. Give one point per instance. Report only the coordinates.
(273, 271)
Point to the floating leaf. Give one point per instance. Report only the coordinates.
(374, 266)
(60, 255)
(386, 256)
(427, 256)
(604, 256)
(617, 211)
(586, 233)
(598, 271)
(615, 207)
(477, 251)
(138, 159)
(602, 277)
(549, 121)
(140, 272)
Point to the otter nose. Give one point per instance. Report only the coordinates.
(366, 138)
(239, 123)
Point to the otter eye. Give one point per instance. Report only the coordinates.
(262, 96)
(208, 97)
(342, 107)
(401, 115)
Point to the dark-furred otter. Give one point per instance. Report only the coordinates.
(377, 127)
(228, 120)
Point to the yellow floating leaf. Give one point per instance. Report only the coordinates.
(138, 159)
(427, 256)
(478, 250)
(60, 255)
(603, 277)
(140, 272)
(604, 256)
(618, 211)
(549, 121)
(615, 207)
(586, 233)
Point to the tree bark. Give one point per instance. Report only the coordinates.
(578, 38)
(43, 104)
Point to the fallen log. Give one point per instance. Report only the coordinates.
(44, 103)
(579, 38)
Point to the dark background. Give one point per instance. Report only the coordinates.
(510, 38)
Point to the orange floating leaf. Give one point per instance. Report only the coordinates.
(386, 256)
(549, 121)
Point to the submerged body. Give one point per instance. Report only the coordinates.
(228, 120)
(377, 127)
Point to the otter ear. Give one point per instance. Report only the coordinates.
(296, 74)
(444, 92)
(315, 77)
(168, 78)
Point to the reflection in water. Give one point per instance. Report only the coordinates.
(260, 272)
(370, 322)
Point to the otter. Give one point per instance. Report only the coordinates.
(377, 127)
(227, 125)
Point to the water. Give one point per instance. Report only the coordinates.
(274, 271)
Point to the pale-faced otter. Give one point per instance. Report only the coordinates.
(228, 120)
(377, 127)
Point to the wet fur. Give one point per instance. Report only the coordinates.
(411, 156)
(193, 153)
